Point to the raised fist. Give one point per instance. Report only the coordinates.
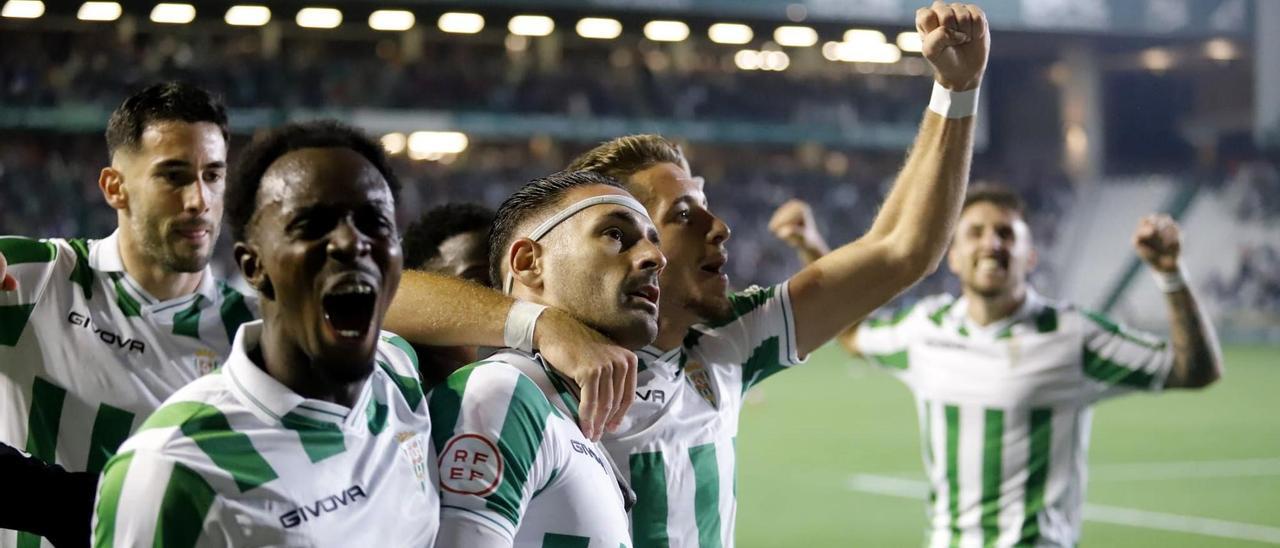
(956, 42)
(7, 282)
(793, 223)
(1158, 242)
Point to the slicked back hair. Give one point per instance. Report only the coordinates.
(625, 156)
(169, 101)
(998, 195)
(265, 149)
(535, 197)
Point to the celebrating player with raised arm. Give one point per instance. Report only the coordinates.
(515, 469)
(676, 445)
(1005, 379)
(315, 432)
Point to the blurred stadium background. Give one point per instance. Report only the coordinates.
(1098, 111)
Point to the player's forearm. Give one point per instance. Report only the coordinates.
(1197, 356)
(812, 250)
(438, 310)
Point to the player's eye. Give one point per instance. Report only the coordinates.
(614, 233)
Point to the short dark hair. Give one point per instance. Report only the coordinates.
(998, 195)
(422, 240)
(625, 156)
(242, 188)
(168, 101)
(534, 197)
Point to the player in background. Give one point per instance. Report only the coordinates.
(453, 240)
(315, 431)
(676, 445)
(1005, 379)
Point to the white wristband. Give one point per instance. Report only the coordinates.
(953, 104)
(521, 319)
(1170, 282)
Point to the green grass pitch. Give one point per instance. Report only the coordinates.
(1160, 465)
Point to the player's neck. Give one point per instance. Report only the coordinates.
(671, 331)
(156, 280)
(285, 362)
(986, 310)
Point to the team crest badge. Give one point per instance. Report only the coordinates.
(412, 450)
(701, 380)
(205, 361)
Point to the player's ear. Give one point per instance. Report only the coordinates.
(1033, 259)
(111, 183)
(250, 263)
(524, 260)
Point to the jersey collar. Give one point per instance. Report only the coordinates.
(105, 257)
(669, 362)
(1031, 306)
(273, 401)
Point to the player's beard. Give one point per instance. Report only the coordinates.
(160, 250)
(711, 309)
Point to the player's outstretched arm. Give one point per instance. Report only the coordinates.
(909, 236)
(1197, 356)
(433, 309)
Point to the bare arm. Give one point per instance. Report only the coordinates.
(433, 309)
(909, 236)
(1197, 356)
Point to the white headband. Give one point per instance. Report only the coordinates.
(546, 226)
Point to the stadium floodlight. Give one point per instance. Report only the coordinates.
(831, 51)
(318, 18)
(461, 22)
(868, 53)
(395, 20)
(174, 14)
(1221, 49)
(747, 59)
(99, 11)
(666, 31)
(22, 9)
(795, 36)
(394, 143)
(434, 144)
(1156, 59)
(910, 41)
(531, 25)
(774, 60)
(864, 36)
(247, 16)
(599, 28)
(730, 33)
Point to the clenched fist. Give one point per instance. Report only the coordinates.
(793, 223)
(1158, 242)
(7, 282)
(956, 42)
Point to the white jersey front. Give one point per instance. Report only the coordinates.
(676, 444)
(86, 354)
(238, 459)
(515, 469)
(1005, 410)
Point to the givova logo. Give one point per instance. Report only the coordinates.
(329, 504)
(110, 339)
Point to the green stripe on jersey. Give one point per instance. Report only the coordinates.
(231, 451)
(744, 302)
(1037, 474)
(1047, 320)
(83, 273)
(554, 540)
(992, 473)
(109, 489)
(186, 322)
(110, 429)
(409, 387)
(26, 250)
(124, 300)
(445, 403)
(706, 494)
(28, 540)
(896, 319)
(522, 431)
(940, 313)
(233, 310)
(186, 503)
(399, 342)
(1100, 368)
(44, 420)
(320, 439)
(13, 320)
(953, 470)
(762, 363)
(649, 516)
(896, 360)
(377, 415)
(1116, 329)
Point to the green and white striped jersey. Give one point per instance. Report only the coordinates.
(1005, 410)
(676, 444)
(237, 459)
(515, 470)
(86, 354)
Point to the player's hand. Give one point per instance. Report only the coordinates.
(956, 42)
(1158, 242)
(793, 223)
(7, 282)
(604, 372)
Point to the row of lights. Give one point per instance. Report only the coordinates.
(426, 145)
(601, 28)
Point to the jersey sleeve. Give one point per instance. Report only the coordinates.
(761, 336)
(1120, 360)
(36, 263)
(489, 424)
(148, 499)
(884, 340)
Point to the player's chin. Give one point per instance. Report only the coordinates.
(637, 329)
